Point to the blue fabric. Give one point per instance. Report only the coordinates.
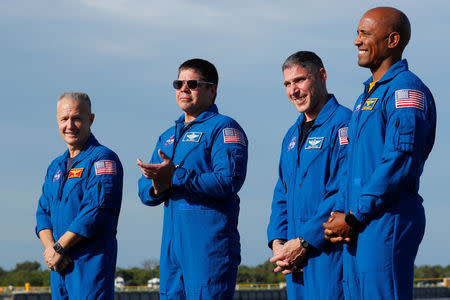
(388, 146)
(308, 173)
(87, 205)
(200, 248)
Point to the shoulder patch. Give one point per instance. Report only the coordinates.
(232, 135)
(409, 98)
(192, 137)
(369, 104)
(314, 143)
(105, 167)
(292, 143)
(75, 173)
(343, 136)
(170, 140)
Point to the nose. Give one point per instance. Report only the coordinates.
(184, 87)
(358, 41)
(70, 124)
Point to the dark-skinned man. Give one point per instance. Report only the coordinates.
(391, 133)
(197, 169)
(312, 154)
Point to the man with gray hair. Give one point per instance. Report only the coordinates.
(312, 153)
(79, 208)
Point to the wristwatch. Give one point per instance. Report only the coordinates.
(353, 222)
(58, 248)
(303, 242)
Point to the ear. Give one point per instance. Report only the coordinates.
(323, 74)
(393, 39)
(91, 119)
(214, 92)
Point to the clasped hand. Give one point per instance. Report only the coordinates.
(55, 261)
(289, 257)
(336, 230)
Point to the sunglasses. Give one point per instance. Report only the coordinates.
(191, 84)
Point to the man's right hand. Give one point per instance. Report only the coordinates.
(52, 258)
(63, 264)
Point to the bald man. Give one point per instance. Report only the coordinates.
(391, 133)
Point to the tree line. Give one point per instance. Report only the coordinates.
(32, 272)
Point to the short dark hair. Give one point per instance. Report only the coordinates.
(306, 59)
(206, 69)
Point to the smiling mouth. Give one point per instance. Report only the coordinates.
(362, 52)
(299, 99)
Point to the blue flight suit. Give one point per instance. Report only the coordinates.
(391, 134)
(200, 249)
(84, 200)
(308, 172)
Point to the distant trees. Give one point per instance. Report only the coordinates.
(33, 273)
(28, 271)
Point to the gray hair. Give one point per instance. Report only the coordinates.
(82, 97)
(306, 59)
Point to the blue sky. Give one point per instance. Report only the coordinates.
(125, 54)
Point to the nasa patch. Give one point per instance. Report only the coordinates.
(170, 140)
(57, 176)
(314, 143)
(292, 143)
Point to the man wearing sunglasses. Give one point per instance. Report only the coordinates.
(196, 170)
(312, 154)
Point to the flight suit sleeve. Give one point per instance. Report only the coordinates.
(101, 199)
(145, 185)
(43, 217)
(312, 231)
(409, 138)
(228, 162)
(278, 224)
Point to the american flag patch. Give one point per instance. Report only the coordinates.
(231, 135)
(409, 98)
(343, 136)
(105, 167)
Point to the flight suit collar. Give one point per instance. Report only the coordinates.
(395, 69)
(326, 112)
(207, 114)
(87, 149)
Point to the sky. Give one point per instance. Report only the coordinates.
(125, 54)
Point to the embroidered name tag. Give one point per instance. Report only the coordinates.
(314, 143)
(192, 137)
(369, 104)
(75, 173)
